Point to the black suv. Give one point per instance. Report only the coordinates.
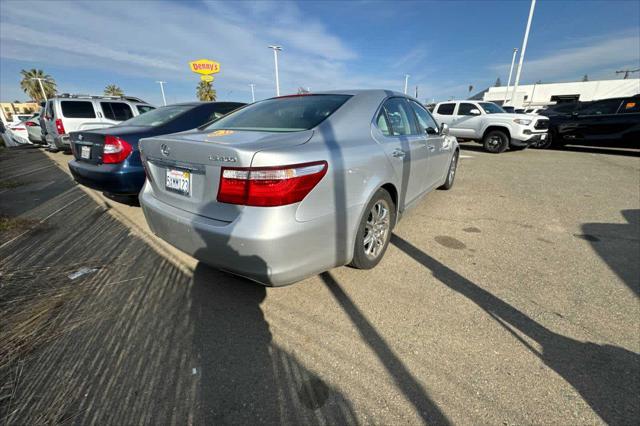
(611, 122)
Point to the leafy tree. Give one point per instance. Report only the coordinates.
(113, 90)
(32, 87)
(498, 82)
(205, 91)
(585, 78)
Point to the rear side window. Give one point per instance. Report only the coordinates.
(609, 106)
(446, 109)
(284, 114)
(465, 108)
(630, 106)
(118, 111)
(48, 113)
(400, 117)
(77, 109)
(144, 108)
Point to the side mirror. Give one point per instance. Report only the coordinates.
(474, 111)
(432, 131)
(444, 130)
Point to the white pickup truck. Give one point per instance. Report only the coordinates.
(488, 124)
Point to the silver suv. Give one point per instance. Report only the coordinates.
(68, 113)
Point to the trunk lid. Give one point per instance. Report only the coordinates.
(185, 167)
(93, 141)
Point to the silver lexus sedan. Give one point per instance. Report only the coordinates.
(293, 186)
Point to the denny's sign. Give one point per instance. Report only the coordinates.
(205, 67)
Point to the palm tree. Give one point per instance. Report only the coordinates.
(205, 91)
(32, 87)
(113, 90)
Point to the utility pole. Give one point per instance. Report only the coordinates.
(406, 82)
(416, 96)
(162, 83)
(626, 73)
(513, 61)
(42, 87)
(524, 48)
(276, 49)
(253, 95)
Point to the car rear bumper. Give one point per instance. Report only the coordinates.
(114, 178)
(263, 244)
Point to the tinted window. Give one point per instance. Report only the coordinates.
(465, 109)
(77, 109)
(491, 108)
(157, 117)
(220, 110)
(382, 124)
(446, 109)
(609, 106)
(284, 114)
(424, 118)
(144, 108)
(400, 117)
(117, 111)
(630, 106)
(48, 109)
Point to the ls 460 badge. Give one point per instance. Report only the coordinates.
(223, 159)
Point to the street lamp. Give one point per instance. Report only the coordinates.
(513, 61)
(253, 95)
(41, 87)
(406, 82)
(524, 48)
(162, 83)
(275, 58)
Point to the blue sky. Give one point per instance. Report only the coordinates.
(444, 46)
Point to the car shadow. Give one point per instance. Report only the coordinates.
(618, 244)
(626, 152)
(129, 200)
(607, 377)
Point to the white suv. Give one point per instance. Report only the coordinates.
(69, 113)
(487, 123)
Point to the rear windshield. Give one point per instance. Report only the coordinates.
(491, 108)
(157, 117)
(77, 109)
(285, 114)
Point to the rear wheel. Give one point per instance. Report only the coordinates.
(496, 141)
(374, 231)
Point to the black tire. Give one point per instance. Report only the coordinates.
(362, 259)
(546, 143)
(495, 142)
(451, 173)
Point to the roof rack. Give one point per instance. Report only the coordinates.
(82, 96)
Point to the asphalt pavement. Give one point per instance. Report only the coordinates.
(510, 299)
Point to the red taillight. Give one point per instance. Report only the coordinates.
(269, 186)
(30, 124)
(60, 127)
(116, 150)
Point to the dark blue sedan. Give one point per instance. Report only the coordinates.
(109, 160)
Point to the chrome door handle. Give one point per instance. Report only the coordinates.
(431, 147)
(398, 153)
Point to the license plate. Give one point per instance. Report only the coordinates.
(178, 181)
(85, 152)
(543, 137)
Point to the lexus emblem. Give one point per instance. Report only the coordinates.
(165, 150)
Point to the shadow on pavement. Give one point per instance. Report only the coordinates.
(619, 246)
(607, 377)
(627, 152)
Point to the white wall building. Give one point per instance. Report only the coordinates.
(551, 93)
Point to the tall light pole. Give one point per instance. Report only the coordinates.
(513, 61)
(276, 49)
(406, 83)
(524, 48)
(41, 86)
(253, 95)
(162, 83)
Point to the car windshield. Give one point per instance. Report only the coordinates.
(491, 108)
(158, 116)
(284, 114)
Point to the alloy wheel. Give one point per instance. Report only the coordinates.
(376, 230)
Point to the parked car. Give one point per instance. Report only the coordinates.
(611, 122)
(68, 113)
(292, 186)
(34, 131)
(487, 123)
(18, 128)
(109, 159)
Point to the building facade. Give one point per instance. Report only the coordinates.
(552, 93)
(11, 108)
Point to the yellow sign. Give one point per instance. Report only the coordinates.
(220, 133)
(208, 78)
(204, 67)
